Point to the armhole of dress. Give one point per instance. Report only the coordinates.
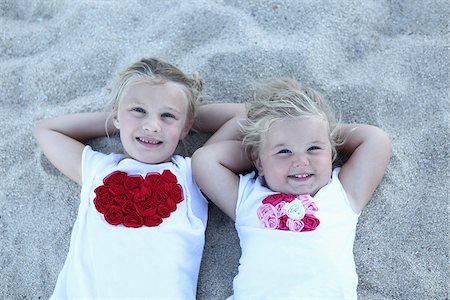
(198, 203)
(84, 171)
(339, 185)
(84, 175)
(92, 163)
(243, 188)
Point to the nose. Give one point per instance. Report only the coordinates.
(300, 161)
(151, 124)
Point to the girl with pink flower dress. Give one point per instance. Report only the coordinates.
(139, 231)
(296, 218)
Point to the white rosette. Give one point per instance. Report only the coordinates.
(295, 209)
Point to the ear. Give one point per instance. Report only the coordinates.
(186, 129)
(115, 117)
(258, 165)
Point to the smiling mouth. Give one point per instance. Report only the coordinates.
(148, 141)
(300, 176)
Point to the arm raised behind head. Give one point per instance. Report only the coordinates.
(370, 150)
(220, 119)
(215, 169)
(61, 139)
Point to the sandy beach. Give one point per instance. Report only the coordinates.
(379, 62)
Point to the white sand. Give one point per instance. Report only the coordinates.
(380, 62)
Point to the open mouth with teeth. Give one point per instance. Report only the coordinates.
(149, 142)
(300, 176)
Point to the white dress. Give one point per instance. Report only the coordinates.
(116, 262)
(278, 264)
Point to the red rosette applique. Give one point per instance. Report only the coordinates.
(288, 212)
(136, 201)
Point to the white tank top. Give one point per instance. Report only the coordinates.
(278, 264)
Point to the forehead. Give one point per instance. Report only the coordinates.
(155, 92)
(306, 129)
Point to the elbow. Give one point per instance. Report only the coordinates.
(39, 127)
(42, 131)
(197, 161)
(204, 159)
(384, 142)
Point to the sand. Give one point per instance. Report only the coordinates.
(379, 62)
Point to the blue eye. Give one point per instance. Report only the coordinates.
(138, 109)
(312, 148)
(284, 151)
(167, 115)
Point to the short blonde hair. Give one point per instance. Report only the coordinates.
(279, 100)
(158, 71)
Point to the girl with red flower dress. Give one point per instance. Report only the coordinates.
(139, 231)
(296, 219)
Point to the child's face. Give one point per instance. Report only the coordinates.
(152, 118)
(295, 157)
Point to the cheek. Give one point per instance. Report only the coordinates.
(273, 181)
(273, 168)
(185, 131)
(125, 122)
(175, 132)
(325, 167)
(187, 127)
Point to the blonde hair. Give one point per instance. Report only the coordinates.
(279, 100)
(159, 72)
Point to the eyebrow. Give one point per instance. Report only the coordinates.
(319, 142)
(279, 145)
(171, 108)
(312, 142)
(142, 103)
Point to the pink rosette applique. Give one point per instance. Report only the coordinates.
(136, 201)
(295, 225)
(279, 208)
(288, 212)
(268, 216)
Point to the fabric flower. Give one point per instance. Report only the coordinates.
(115, 178)
(295, 225)
(282, 224)
(133, 183)
(152, 220)
(295, 209)
(114, 215)
(288, 212)
(277, 198)
(279, 208)
(268, 216)
(133, 219)
(308, 203)
(310, 222)
(136, 201)
(103, 200)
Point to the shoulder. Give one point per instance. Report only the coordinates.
(183, 165)
(248, 180)
(334, 194)
(93, 161)
(250, 184)
(181, 161)
(334, 183)
(90, 154)
(198, 202)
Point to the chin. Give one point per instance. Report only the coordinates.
(308, 191)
